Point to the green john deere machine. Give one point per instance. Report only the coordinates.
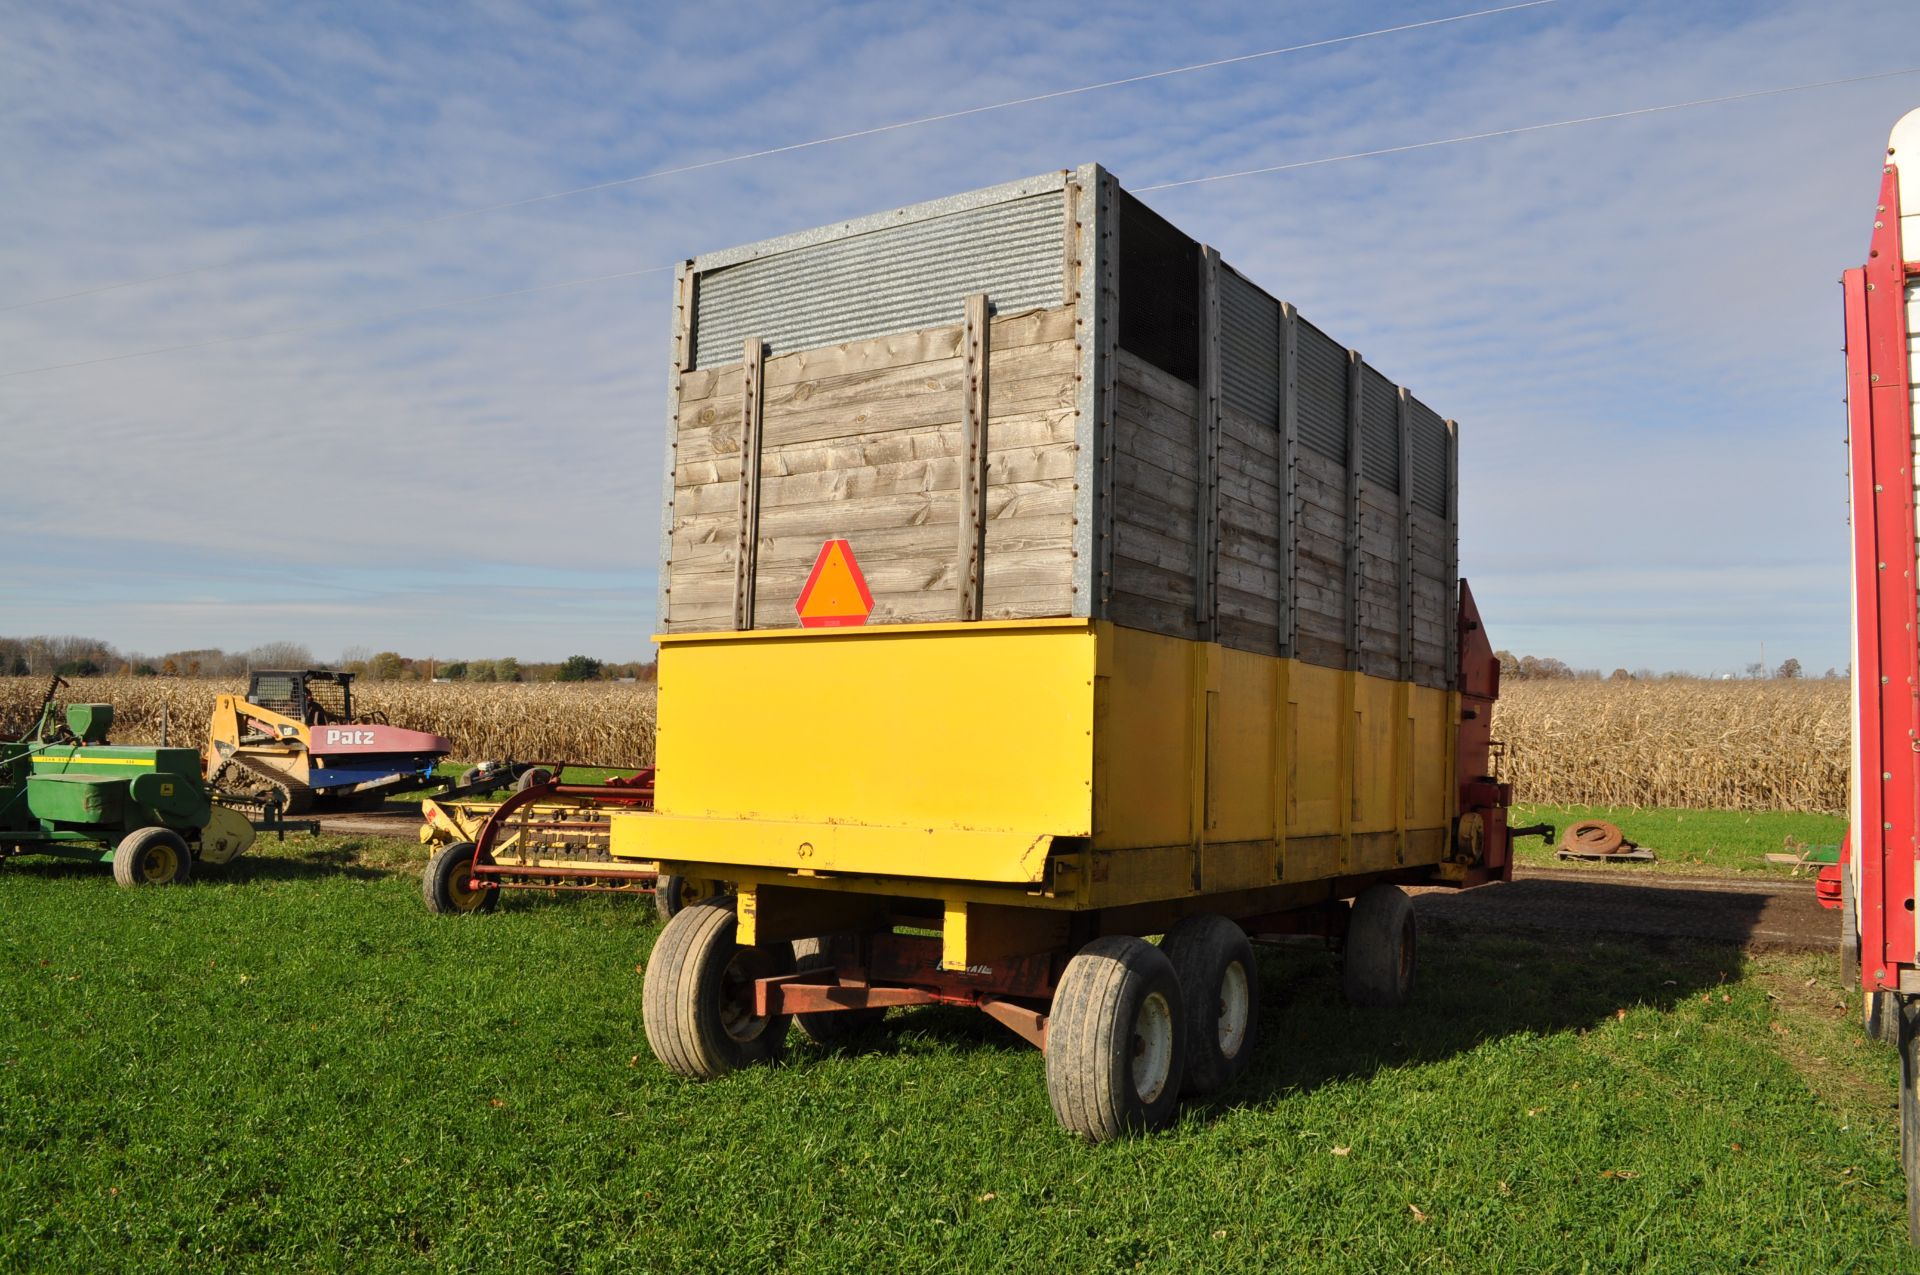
(65, 791)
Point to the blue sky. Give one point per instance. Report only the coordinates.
(1636, 322)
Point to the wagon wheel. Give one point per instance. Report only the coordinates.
(1593, 836)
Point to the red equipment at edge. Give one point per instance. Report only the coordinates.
(1876, 886)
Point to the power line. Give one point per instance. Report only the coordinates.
(363, 321)
(790, 147)
(1189, 181)
(1528, 128)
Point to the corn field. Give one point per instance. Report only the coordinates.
(591, 724)
(1768, 745)
(1776, 745)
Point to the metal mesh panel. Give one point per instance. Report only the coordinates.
(1249, 348)
(1429, 477)
(898, 279)
(1322, 391)
(1379, 429)
(1159, 291)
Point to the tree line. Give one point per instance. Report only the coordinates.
(70, 655)
(1536, 668)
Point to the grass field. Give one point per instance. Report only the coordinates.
(293, 1067)
(1685, 840)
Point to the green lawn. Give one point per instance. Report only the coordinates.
(293, 1067)
(1685, 840)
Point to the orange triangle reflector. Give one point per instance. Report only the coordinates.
(835, 594)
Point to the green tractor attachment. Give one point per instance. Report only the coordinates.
(66, 791)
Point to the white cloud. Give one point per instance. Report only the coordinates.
(1635, 322)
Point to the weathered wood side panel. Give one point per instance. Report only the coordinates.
(1252, 595)
(865, 441)
(1155, 499)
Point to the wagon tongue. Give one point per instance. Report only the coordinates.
(362, 741)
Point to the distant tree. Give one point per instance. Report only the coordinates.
(387, 666)
(481, 671)
(453, 670)
(506, 670)
(1509, 664)
(1543, 668)
(1832, 674)
(578, 668)
(168, 668)
(77, 668)
(1788, 668)
(1620, 675)
(1756, 671)
(289, 655)
(144, 669)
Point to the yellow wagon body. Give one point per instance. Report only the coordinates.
(1059, 764)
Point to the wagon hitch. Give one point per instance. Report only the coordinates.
(1542, 830)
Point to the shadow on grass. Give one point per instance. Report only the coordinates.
(1473, 988)
(1482, 978)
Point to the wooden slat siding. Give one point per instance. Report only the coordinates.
(681, 354)
(828, 493)
(1249, 594)
(748, 483)
(1155, 503)
(1289, 459)
(1355, 382)
(973, 458)
(1107, 362)
(1404, 432)
(1010, 433)
(1452, 543)
(1206, 538)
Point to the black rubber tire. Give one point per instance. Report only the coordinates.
(152, 856)
(674, 894)
(1220, 982)
(533, 778)
(1382, 948)
(1116, 1040)
(839, 1025)
(444, 884)
(1880, 1016)
(695, 973)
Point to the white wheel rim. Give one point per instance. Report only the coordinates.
(1152, 1047)
(1234, 1003)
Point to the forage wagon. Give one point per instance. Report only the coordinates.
(1033, 582)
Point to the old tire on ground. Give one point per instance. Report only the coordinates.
(835, 1026)
(673, 895)
(1381, 948)
(1116, 1040)
(696, 1002)
(1593, 836)
(444, 884)
(1220, 983)
(152, 856)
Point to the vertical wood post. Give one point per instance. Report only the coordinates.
(1354, 383)
(1404, 431)
(973, 458)
(683, 285)
(1107, 367)
(1206, 546)
(747, 551)
(1451, 629)
(1289, 424)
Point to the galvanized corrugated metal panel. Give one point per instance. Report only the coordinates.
(1429, 477)
(1379, 429)
(891, 278)
(1249, 348)
(1322, 390)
